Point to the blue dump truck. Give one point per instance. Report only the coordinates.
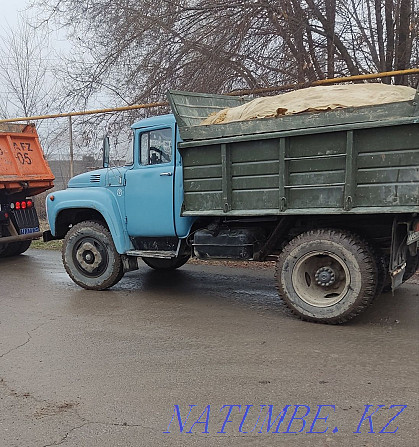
(332, 197)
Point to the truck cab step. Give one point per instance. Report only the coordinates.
(152, 254)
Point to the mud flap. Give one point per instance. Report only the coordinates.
(397, 277)
(398, 253)
(130, 263)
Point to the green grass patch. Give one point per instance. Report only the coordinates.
(51, 245)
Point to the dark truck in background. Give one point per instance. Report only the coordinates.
(24, 173)
(332, 196)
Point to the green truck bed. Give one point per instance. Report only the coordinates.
(355, 160)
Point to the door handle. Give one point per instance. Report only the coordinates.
(167, 174)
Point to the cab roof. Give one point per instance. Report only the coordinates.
(155, 121)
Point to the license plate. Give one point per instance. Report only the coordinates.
(29, 230)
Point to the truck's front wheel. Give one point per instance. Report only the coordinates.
(327, 276)
(90, 256)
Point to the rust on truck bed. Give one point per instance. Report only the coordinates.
(22, 162)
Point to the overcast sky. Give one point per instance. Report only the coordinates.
(10, 10)
(54, 46)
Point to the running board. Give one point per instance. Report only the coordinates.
(152, 254)
(161, 254)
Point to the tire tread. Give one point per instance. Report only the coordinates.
(366, 257)
(118, 272)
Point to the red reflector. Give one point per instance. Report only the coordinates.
(23, 205)
(416, 226)
(29, 203)
(6, 215)
(17, 205)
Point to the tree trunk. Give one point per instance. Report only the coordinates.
(331, 20)
(388, 11)
(380, 35)
(403, 46)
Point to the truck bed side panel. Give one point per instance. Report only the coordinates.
(350, 168)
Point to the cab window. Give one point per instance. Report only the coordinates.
(156, 147)
(129, 157)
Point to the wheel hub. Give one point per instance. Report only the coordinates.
(88, 256)
(325, 276)
(320, 278)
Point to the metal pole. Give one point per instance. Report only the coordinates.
(385, 74)
(87, 112)
(70, 124)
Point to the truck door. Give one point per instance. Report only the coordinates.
(149, 184)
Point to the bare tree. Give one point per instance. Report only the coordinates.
(27, 79)
(23, 71)
(133, 51)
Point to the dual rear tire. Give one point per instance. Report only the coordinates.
(328, 276)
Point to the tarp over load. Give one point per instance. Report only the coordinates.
(313, 99)
(325, 107)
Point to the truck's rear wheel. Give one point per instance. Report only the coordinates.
(327, 276)
(166, 264)
(14, 248)
(90, 256)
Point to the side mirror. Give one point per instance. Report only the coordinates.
(106, 150)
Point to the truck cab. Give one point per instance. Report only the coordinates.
(132, 211)
(154, 183)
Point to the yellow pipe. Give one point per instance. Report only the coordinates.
(86, 112)
(235, 93)
(384, 74)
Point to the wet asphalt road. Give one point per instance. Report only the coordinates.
(80, 368)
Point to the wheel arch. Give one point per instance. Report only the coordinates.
(71, 216)
(71, 207)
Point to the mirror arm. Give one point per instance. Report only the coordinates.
(106, 149)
